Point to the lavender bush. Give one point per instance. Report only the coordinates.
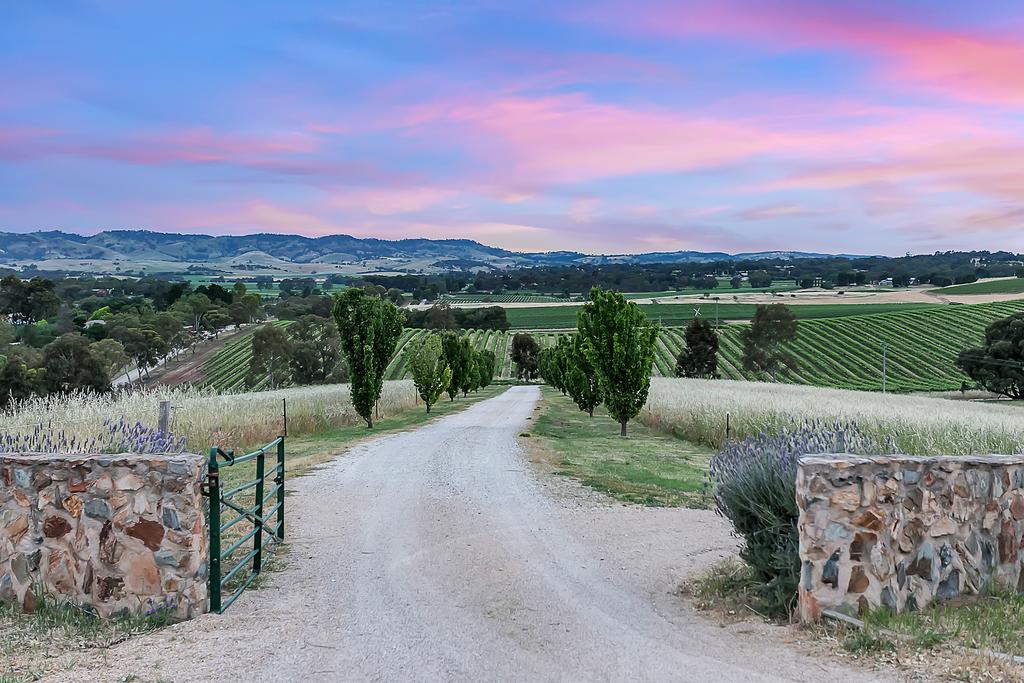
(754, 481)
(117, 436)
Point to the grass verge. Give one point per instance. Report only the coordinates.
(647, 467)
(950, 641)
(31, 642)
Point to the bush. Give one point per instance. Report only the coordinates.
(755, 489)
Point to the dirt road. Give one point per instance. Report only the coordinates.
(439, 554)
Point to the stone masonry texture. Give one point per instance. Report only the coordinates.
(111, 533)
(900, 532)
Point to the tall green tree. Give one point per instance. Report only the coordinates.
(457, 356)
(370, 328)
(526, 356)
(271, 357)
(430, 370)
(618, 340)
(111, 354)
(581, 380)
(68, 365)
(486, 363)
(998, 365)
(700, 357)
(764, 342)
(470, 378)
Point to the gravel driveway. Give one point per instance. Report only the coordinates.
(440, 554)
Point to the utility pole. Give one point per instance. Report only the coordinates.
(885, 353)
(716, 311)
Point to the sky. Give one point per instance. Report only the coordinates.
(603, 127)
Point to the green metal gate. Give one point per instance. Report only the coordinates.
(250, 523)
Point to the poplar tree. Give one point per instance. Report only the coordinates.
(618, 340)
(486, 362)
(580, 380)
(370, 328)
(470, 378)
(456, 354)
(430, 371)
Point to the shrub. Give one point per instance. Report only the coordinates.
(755, 489)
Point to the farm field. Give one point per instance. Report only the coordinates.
(1012, 285)
(723, 289)
(507, 298)
(841, 352)
(564, 317)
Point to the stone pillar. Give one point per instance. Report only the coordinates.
(107, 532)
(900, 532)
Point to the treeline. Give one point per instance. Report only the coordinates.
(59, 336)
(444, 317)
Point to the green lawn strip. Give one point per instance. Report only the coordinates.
(647, 467)
(1009, 286)
(989, 622)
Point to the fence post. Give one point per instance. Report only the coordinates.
(257, 542)
(164, 417)
(213, 482)
(280, 489)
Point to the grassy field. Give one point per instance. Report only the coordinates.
(696, 410)
(648, 467)
(564, 317)
(1001, 286)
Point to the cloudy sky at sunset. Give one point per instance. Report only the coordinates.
(863, 127)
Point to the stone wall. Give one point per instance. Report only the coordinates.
(109, 532)
(901, 531)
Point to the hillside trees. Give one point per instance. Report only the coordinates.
(700, 357)
(526, 356)
(316, 355)
(67, 365)
(28, 301)
(764, 342)
(369, 328)
(998, 365)
(111, 355)
(429, 368)
(618, 340)
(272, 351)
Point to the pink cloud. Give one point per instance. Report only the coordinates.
(974, 65)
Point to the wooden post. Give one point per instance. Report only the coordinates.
(164, 421)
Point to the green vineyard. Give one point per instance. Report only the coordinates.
(843, 352)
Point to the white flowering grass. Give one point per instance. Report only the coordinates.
(696, 410)
(202, 417)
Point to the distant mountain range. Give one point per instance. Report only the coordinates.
(136, 250)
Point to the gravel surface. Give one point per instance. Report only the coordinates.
(440, 554)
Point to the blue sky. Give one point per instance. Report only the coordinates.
(603, 127)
